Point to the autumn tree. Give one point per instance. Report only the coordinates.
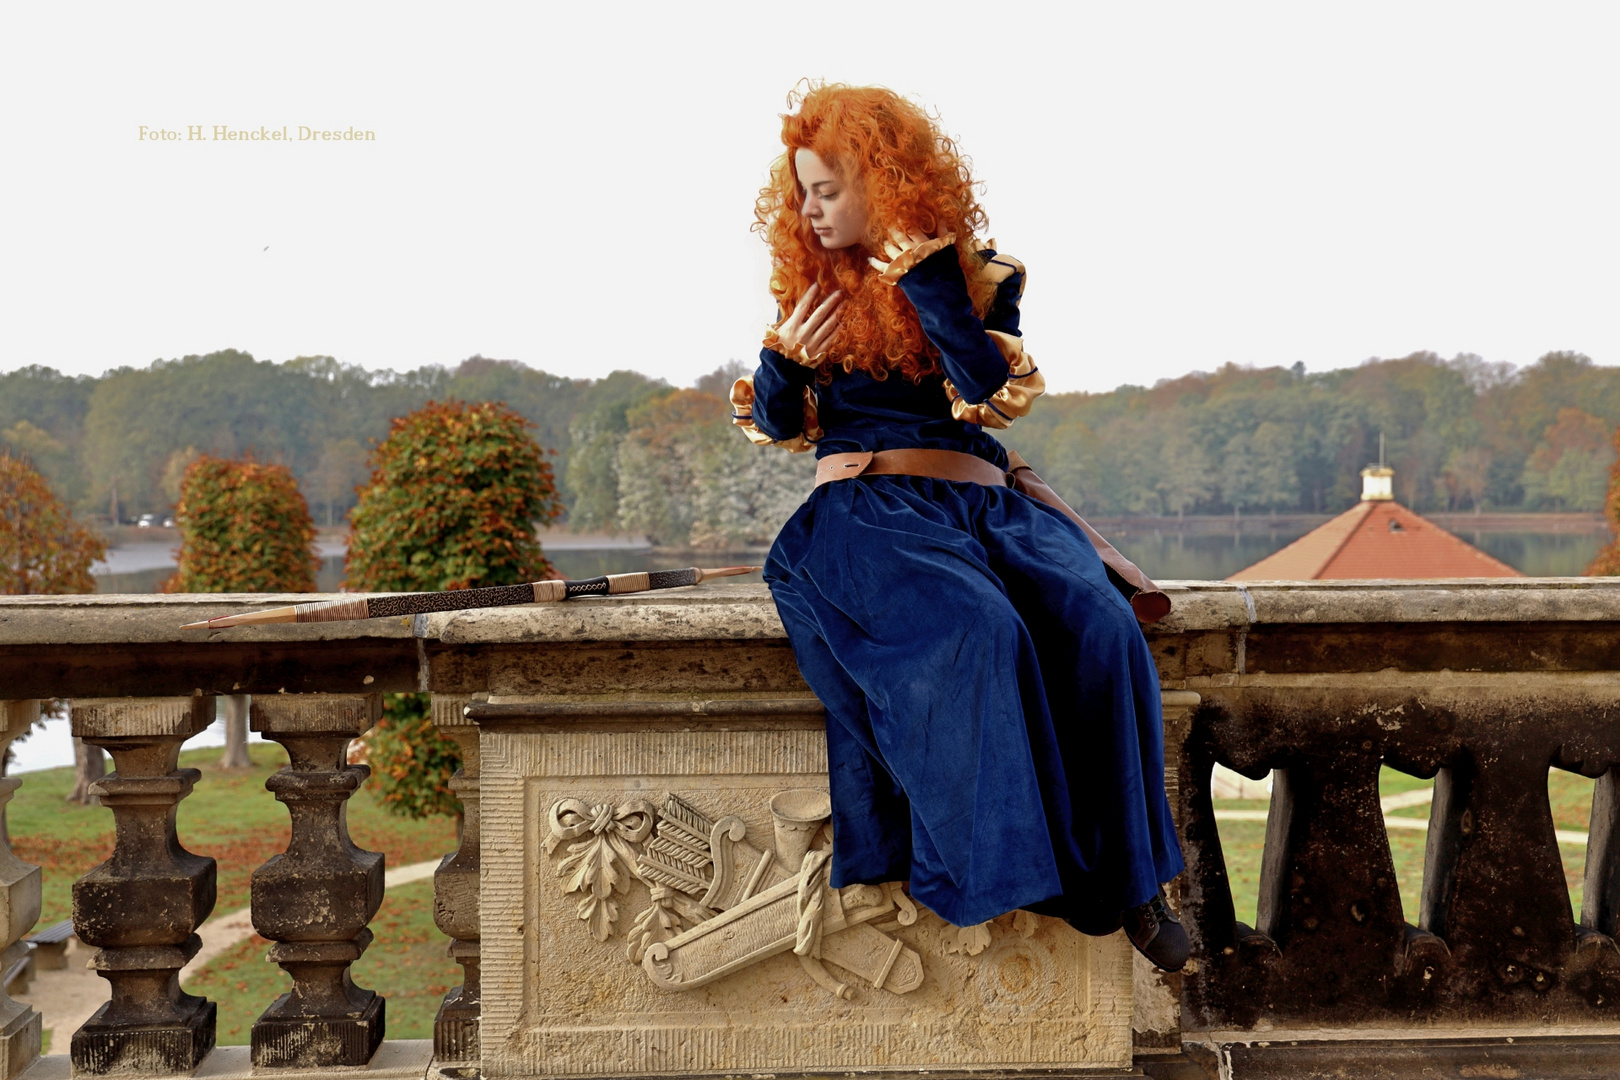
(42, 420)
(340, 471)
(1568, 468)
(42, 548)
(744, 493)
(1607, 563)
(594, 439)
(244, 527)
(1068, 459)
(687, 477)
(1468, 473)
(456, 491)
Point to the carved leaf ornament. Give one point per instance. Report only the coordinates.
(591, 865)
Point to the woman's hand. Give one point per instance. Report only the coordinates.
(905, 250)
(804, 335)
(895, 246)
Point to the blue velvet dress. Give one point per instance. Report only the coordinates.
(994, 733)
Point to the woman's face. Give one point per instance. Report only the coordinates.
(836, 209)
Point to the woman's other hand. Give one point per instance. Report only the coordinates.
(803, 336)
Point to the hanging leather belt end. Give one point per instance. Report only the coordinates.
(842, 466)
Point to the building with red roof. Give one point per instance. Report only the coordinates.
(1376, 538)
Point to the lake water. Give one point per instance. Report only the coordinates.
(1197, 550)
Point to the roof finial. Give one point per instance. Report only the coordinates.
(1378, 481)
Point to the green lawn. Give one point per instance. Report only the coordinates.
(1569, 794)
(228, 815)
(406, 964)
(233, 818)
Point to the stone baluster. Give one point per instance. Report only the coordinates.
(141, 908)
(19, 908)
(1600, 909)
(455, 892)
(315, 900)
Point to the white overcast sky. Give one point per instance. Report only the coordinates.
(572, 185)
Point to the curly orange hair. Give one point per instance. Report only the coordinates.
(912, 177)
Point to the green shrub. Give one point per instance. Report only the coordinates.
(456, 491)
(244, 527)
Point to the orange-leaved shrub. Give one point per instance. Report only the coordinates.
(411, 762)
(244, 527)
(42, 549)
(456, 491)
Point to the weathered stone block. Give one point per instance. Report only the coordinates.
(146, 910)
(128, 718)
(107, 1046)
(291, 1041)
(297, 900)
(20, 1038)
(642, 905)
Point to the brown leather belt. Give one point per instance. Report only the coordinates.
(939, 464)
(1148, 601)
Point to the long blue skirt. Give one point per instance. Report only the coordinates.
(994, 733)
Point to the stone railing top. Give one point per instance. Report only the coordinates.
(98, 619)
(701, 613)
(745, 612)
(1215, 605)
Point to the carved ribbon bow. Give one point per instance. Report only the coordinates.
(607, 832)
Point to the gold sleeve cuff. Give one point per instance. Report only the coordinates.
(1017, 394)
(742, 415)
(798, 354)
(904, 261)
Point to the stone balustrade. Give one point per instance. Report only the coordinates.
(638, 889)
(19, 906)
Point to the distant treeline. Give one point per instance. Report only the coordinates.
(637, 454)
(1460, 434)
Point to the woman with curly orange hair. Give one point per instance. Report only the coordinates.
(993, 722)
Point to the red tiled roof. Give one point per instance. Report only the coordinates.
(1376, 539)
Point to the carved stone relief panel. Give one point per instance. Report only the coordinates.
(656, 903)
(717, 904)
